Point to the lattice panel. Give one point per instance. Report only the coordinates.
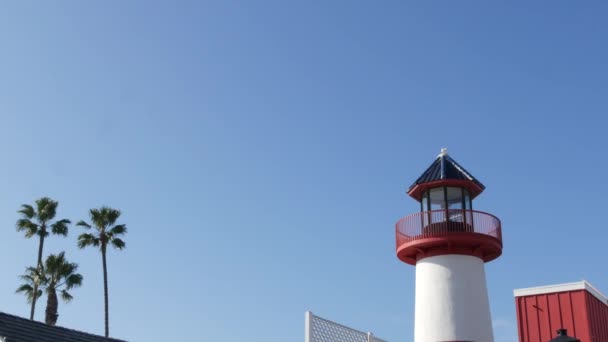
(323, 330)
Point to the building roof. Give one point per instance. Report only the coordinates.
(444, 167)
(579, 285)
(18, 329)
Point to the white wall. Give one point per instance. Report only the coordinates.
(452, 300)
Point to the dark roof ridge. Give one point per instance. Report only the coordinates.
(458, 166)
(46, 326)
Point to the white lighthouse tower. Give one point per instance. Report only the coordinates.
(449, 243)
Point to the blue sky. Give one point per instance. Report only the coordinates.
(260, 152)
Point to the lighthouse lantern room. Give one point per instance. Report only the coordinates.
(449, 243)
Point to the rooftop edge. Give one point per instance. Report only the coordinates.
(579, 285)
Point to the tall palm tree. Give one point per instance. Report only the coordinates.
(38, 221)
(57, 275)
(107, 233)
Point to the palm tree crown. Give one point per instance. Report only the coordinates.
(107, 233)
(37, 221)
(57, 275)
(32, 278)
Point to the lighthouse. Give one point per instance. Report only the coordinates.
(448, 242)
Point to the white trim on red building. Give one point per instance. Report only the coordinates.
(579, 285)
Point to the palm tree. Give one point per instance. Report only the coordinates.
(37, 221)
(108, 232)
(57, 275)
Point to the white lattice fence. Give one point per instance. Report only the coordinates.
(323, 330)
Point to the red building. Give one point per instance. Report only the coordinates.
(577, 307)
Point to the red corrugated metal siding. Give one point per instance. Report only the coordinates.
(598, 318)
(539, 316)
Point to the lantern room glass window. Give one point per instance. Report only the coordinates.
(424, 204)
(454, 197)
(446, 197)
(437, 198)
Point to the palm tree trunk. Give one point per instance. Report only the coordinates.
(105, 290)
(39, 266)
(52, 304)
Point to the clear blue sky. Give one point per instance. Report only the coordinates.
(260, 152)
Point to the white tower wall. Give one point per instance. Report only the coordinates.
(452, 300)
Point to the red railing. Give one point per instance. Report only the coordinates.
(440, 223)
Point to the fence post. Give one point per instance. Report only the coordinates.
(370, 337)
(308, 326)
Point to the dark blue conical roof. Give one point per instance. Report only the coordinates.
(444, 168)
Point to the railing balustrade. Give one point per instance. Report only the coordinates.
(444, 222)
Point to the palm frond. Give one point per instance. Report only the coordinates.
(30, 228)
(117, 230)
(46, 208)
(82, 223)
(68, 268)
(60, 227)
(27, 211)
(104, 217)
(31, 269)
(97, 219)
(66, 296)
(55, 263)
(118, 243)
(73, 280)
(28, 291)
(111, 215)
(87, 239)
(28, 278)
(27, 288)
(32, 277)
